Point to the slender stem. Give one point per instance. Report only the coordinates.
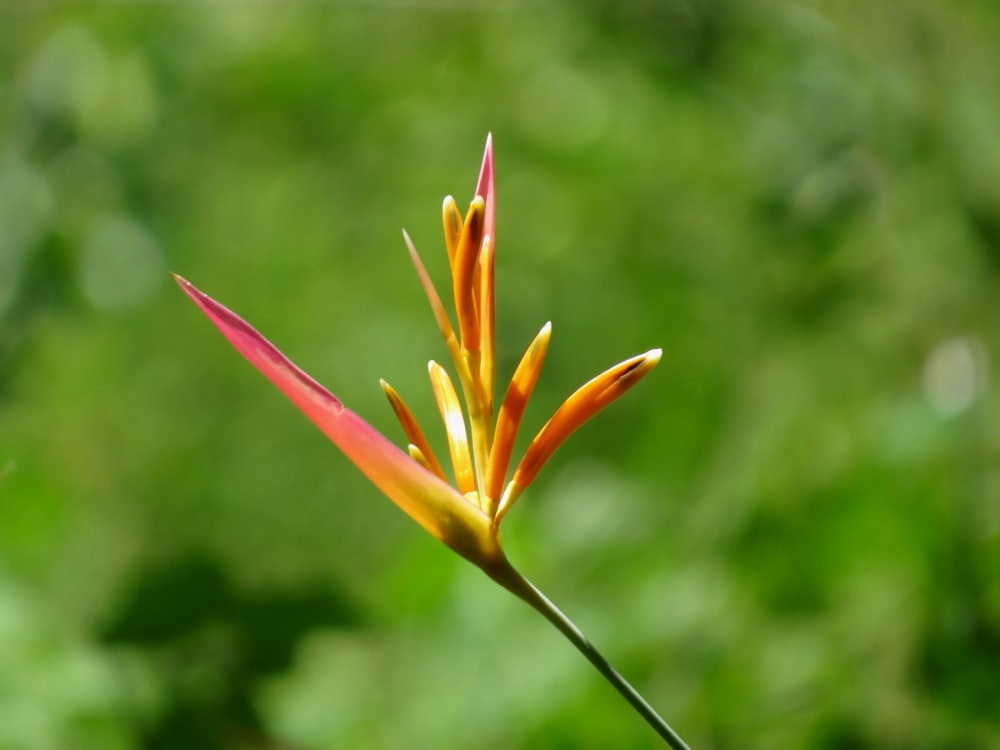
(524, 589)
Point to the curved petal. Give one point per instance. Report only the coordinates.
(585, 402)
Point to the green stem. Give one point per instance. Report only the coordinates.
(524, 589)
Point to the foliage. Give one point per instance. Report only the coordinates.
(789, 537)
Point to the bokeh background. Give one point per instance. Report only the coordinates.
(788, 536)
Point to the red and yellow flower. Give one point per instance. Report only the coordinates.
(464, 515)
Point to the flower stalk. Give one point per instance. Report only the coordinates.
(529, 593)
(465, 514)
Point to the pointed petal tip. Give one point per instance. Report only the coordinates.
(542, 338)
(626, 374)
(199, 297)
(647, 361)
(485, 188)
(409, 243)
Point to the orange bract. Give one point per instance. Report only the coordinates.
(470, 245)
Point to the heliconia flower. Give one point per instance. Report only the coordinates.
(466, 515)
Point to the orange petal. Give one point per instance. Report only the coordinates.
(451, 217)
(512, 409)
(578, 408)
(437, 307)
(411, 429)
(454, 424)
(463, 273)
(428, 500)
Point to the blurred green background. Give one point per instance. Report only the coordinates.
(788, 536)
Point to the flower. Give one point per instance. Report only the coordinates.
(465, 515)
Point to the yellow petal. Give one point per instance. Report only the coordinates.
(417, 455)
(454, 424)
